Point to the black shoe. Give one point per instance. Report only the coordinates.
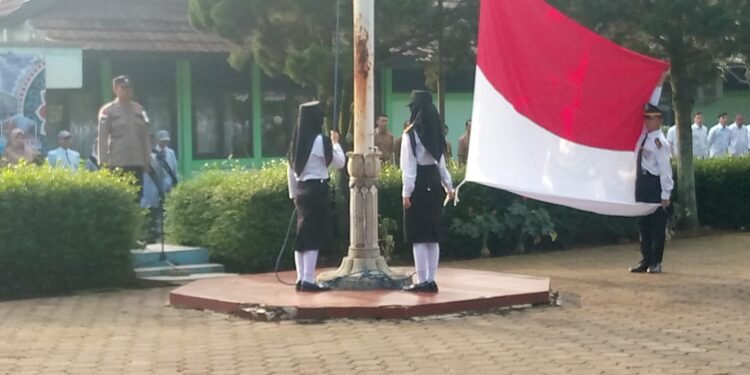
(418, 288)
(639, 268)
(433, 287)
(311, 287)
(298, 285)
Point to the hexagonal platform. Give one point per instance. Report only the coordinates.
(261, 296)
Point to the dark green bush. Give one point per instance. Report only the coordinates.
(241, 216)
(722, 188)
(62, 231)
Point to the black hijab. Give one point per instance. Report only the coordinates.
(426, 123)
(309, 126)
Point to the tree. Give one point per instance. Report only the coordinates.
(694, 35)
(295, 38)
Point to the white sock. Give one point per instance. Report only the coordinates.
(420, 261)
(311, 259)
(299, 264)
(433, 257)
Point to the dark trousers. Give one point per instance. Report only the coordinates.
(653, 231)
(138, 173)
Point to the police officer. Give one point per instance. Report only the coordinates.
(653, 185)
(384, 139)
(123, 133)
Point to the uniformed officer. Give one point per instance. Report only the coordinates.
(123, 133)
(384, 139)
(653, 185)
(463, 144)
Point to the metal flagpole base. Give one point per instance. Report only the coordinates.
(364, 274)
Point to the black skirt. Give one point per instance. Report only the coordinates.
(314, 221)
(423, 220)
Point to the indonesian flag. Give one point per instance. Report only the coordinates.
(558, 109)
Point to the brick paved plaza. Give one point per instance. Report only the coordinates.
(693, 319)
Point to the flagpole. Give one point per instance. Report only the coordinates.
(364, 268)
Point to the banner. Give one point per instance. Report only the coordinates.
(22, 98)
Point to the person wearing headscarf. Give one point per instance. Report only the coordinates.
(310, 155)
(17, 150)
(425, 180)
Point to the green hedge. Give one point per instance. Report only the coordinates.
(62, 231)
(722, 189)
(241, 216)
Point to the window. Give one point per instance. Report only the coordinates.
(457, 80)
(75, 110)
(222, 111)
(281, 100)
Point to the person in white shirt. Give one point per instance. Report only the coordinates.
(674, 147)
(738, 139)
(310, 155)
(63, 156)
(700, 137)
(653, 184)
(718, 138)
(425, 182)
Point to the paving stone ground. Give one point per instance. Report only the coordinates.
(693, 319)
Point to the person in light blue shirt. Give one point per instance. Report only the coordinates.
(63, 156)
(700, 137)
(718, 138)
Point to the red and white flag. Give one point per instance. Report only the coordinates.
(558, 109)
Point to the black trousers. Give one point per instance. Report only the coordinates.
(653, 231)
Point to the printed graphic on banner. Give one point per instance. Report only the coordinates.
(22, 101)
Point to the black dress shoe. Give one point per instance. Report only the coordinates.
(298, 286)
(639, 268)
(312, 287)
(423, 287)
(433, 287)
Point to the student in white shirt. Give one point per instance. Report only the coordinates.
(425, 183)
(63, 156)
(674, 147)
(310, 155)
(738, 139)
(718, 138)
(700, 137)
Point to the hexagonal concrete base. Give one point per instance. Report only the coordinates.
(261, 296)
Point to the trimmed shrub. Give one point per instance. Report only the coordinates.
(721, 188)
(240, 215)
(62, 231)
